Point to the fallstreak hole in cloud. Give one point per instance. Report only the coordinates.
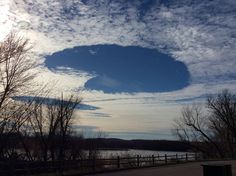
(119, 69)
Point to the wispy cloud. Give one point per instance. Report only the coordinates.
(202, 34)
(161, 134)
(190, 32)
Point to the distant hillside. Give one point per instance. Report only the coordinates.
(112, 143)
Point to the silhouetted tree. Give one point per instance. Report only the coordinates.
(16, 75)
(51, 123)
(212, 130)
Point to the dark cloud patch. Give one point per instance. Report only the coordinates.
(45, 101)
(85, 127)
(99, 115)
(160, 134)
(123, 69)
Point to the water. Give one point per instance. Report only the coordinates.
(132, 152)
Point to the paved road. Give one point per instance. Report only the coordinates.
(189, 169)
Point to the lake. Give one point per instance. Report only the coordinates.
(132, 152)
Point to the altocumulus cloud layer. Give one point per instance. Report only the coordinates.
(201, 34)
(123, 69)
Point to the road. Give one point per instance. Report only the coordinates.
(188, 169)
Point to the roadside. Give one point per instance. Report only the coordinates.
(193, 169)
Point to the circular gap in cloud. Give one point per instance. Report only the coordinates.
(120, 69)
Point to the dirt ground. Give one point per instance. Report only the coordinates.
(188, 169)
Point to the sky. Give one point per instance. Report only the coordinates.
(135, 63)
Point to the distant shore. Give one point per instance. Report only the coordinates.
(139, 144)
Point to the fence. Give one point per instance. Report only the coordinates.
(93, 165)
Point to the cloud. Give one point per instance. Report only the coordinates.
(160, 135)
(85, 127)
(6, 19)
(93, 52)
(55, 101)
(119, 69)
(98, 115)
(187, 30)
(201, 34)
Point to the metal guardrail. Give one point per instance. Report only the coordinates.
(93, 165)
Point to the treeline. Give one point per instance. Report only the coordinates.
(114, 144)
(32, 148)
(16, 146)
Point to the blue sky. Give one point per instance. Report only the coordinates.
(118, 69)
(138, 62)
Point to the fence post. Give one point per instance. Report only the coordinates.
(153, 160)
(138, 164)
(94, 163)
(118, 162)
(196, 158)
(186, 157)
(81, 164)
(165, 159)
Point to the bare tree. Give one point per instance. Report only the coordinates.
(223, 119)
(192, 126)
(94, 145)
(16, 75)
(15, 67)
(51, 122)
(41, 129)
(213, 130)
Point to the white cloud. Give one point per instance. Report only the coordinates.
(202, 34)
(203, 39)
